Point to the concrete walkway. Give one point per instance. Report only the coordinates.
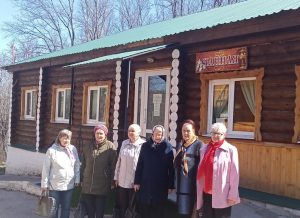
(16, 191)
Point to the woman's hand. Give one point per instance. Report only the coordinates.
(44, 191)
(136, 187)
(230, 202)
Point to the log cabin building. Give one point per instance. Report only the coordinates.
(237, 64)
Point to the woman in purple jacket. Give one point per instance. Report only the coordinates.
(218, 175)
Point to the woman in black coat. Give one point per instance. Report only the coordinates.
(154, 176)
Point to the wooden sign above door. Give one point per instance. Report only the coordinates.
(222, 60)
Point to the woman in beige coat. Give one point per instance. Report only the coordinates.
(126, 166)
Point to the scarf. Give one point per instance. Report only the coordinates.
(206, 166)
(182, 149)
(70, 154)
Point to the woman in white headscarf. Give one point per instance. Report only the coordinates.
(154, 176)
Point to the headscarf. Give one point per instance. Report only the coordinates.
(163, 133)
(102, 127)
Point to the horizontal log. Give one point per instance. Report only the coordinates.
(278, 104)
(279, 115)
(279, 93)
(278, 137)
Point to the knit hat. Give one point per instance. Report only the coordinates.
(102, 127)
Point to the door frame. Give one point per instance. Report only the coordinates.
(144, 74)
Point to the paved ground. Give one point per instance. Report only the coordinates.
(15, 202)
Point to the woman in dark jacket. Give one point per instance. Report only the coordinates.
(154, 176)
(186, 163)
(98, 164)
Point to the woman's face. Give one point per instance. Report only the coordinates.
(157, 135)
(187, 131)
(133, 135)
(100, 135)
(217, 136)
(64, 141)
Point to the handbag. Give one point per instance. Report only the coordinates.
(46, 206)
(131, 211)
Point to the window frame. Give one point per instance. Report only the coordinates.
(231, 84)
(296, 137)
(87, 87)
(61, 119)
(205, 117)
(24, 91)
(54, 106)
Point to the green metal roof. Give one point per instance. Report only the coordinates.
(123, 55)
(206, 19)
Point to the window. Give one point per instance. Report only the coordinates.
(28, 103)
(233, 98)
(232, 101)
(96, 102)
(61, 100)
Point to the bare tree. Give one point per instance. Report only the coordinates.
(5, 85)
(166, 9)
(133, 13)
(95, 19)
(47, 22)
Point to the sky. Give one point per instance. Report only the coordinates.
(7, 12)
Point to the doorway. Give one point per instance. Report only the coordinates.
(152, 97)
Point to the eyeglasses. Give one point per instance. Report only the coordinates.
(217, 133)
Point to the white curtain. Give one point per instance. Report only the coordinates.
(248, 89)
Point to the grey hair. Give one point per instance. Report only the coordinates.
(136, 127)
(219, 127)
(62, 133)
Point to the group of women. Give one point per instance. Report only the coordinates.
(207, 175)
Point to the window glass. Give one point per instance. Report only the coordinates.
(220, 103)
(67, 103)
(244, 106)
(102, 105)
(28, 103)
(93, 104)
(60, 104)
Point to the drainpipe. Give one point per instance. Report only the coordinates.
(72, 99)
(127, 99)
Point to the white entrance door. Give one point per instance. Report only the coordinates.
(152, 96)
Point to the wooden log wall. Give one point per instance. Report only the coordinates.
(279, 89)
(23, 132)
(82, 133)
(273, 165)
